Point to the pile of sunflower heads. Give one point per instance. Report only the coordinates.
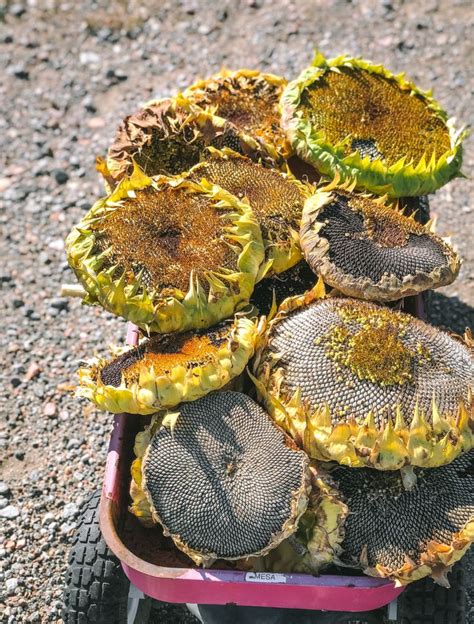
(269, 239)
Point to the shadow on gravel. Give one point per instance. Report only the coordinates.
(449, 313)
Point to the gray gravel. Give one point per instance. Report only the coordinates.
(71, 70)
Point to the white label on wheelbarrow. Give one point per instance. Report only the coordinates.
(265, 577)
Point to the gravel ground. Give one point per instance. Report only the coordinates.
(71, 70)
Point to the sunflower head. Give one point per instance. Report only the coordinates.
(365, 246)
(365, 386)
(168, 255)
(249, 100)
(350, 116)
(167, 369)
(166, 138)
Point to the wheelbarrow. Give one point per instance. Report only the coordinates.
(117, 570)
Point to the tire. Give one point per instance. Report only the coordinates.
(96, 588)
(425, 602)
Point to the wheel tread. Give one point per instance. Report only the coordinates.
(424, 602)
(96, 588)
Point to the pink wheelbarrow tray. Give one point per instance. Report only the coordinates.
(220, 587)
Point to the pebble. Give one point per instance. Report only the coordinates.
(60, 176)
(10, 512)
(70, 510)
(11, 585)
(4, 489)
(19, 71)
(33, 371)
(48, 518)
(49, 409)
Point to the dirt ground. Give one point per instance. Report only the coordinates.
(70, 71)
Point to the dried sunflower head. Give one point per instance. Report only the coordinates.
(350, 116)
(167, 369)
(164, 138)
(168, 255)
(221, 479)
(275, 198)
(406, 534)
(365, 386)
(248, 99)
(366, 248)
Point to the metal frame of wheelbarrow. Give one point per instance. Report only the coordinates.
(219, 587)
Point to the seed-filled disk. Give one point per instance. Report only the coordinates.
(170, 368)
(248, 99)
(222, 480)
(295, 281)
(168, 255)
(275, 198)
(408, 534)
(349, 116)
(365, 386)
(164, 138)
(366, 248)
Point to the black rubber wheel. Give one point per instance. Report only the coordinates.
(425, 602)
(96, 588)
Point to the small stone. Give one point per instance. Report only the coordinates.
(11, 584)
(15, 382)
(60, 176)
(70, 510)
(48, 518)
(17, 9)
(18, 303)
(89, 58)
(33, 371)
(57, 244)
(60, 303)
(114, 76)
(67, 527)
(20, 455)
(4, 489)
(10, 512)
(95, 123)
(19, 71)
(49, 409)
